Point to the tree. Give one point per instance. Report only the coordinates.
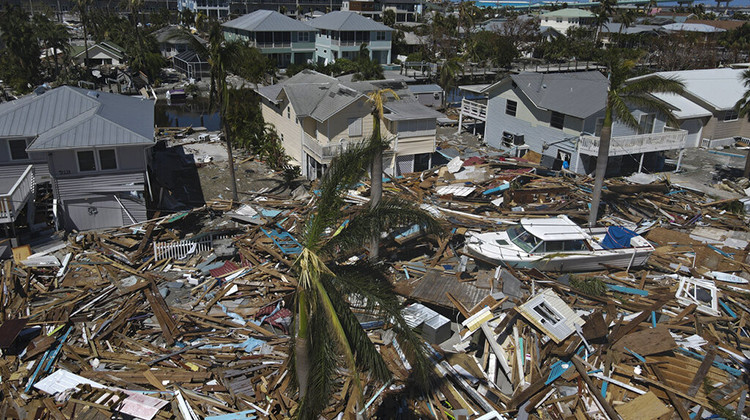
(389, 18)
(53, 37)
(82, 7)
(19, 59)
(448, 79)
(377, 99)
(326, 332)
(624, 91)
(603, 13)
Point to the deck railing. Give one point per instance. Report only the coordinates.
(181, 250)
(639, 143)
(13, 201)
(326, 152)
(473, 109)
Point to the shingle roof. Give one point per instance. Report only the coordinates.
(347, 21)
(68, 117)
(579, 94)
(267, 21)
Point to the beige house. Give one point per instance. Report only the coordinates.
(317, 116)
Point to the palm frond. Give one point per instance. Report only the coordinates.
(370, 285)
(367, 356)
(390, 213)
(653, 84)
(323, 369)
(620, 111)
(648, 102)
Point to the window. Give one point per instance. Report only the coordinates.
(559, 20)
(557, 120)
(598, 127)
(107, 159)
(646, 124)
(303, 36)
(380, 36)
(731, 115)
(18, 149)
(510, 107)
(86, 161)
(289, 112)
(355, 127)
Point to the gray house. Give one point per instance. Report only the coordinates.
(90, 146)
(560, 116)
(341, 34)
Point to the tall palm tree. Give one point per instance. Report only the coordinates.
(377, 99)
(326, 333)
(624, 91)
(448, 78)
(743, 108)
(82, 7)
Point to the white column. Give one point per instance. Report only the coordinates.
(679, 160)
(640, 164)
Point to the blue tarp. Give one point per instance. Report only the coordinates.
(618, 237)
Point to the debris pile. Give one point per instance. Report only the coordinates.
(188, 315)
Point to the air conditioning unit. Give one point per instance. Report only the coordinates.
(511, 139)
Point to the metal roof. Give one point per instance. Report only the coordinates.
(267, 21)
(569, 13)
(553, 228)
(692, 27)
(409, 110)
(347, 21)
(425, 88)
(69, 117)
(579, 94)
(684, 108)
(719, 88)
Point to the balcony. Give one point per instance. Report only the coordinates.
(474, 110)
(268, 45)
(323, 154)
(635, 144)
(18, 193)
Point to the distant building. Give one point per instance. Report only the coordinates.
(563, 19)
(341, 34)
(404, 10)
(92, 148)
(218, 9)
(174, 40)
(102, 53)
(318, 116)
(560, 116)
(285, 40)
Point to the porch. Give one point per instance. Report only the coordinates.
(638, 144)
(471, 109)
(15, 194)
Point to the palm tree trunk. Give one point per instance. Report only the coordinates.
(376, 189)
(85, 43)
(601, 167)
(301, 345)
(230, 161)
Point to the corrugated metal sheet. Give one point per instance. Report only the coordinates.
(76, 188)
(434, 285)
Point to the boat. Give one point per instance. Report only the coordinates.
(176, 95)
(559, 244)
(727, 278)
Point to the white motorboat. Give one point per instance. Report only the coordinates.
(558, 244)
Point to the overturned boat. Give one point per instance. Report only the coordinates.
(558, 244)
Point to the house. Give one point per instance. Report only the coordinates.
(560, 116)
(317, 116)
(212, 9)
(174, 40)
(404, 10)
(191, 65)
(429, 95)
(563, 19)
(102, 53)
(285, 40)
(91, 147)
(712, 93)
(341, 34)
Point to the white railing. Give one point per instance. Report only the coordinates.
(281, 44)
(13, 201)
(639, 143)
(184, 249)
(473, 109)
(326, 152)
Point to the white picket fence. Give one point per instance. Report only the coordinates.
(181, 250)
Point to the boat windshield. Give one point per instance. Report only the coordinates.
(522, 238)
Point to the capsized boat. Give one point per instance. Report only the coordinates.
(559, 244)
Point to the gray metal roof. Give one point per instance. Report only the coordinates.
(267, 21)
(347, 21)
(425, 88)
(578, 94)
(68, 117)
(409, 110)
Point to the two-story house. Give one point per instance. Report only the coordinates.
(91, 146)
(317, 116)
(212, 9)
(563, 19)
(713, 94)
(404, 10)
(560, 115)
(283, 39)
(341, 34)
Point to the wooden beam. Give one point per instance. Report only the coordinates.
(595, 391)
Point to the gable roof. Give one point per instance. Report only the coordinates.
(108, 47)
(69, 118)
(719, 88)
(347, 21)
(313, 94)
(267, 21)
(579, 94)
(569, 13)
(692, 27)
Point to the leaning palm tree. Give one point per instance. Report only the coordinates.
(624, 91)
(328, 338)
(377, 98)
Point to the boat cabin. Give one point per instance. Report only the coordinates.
(549, 235)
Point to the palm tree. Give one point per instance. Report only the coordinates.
(82, 7)
(377, 99)
(624, 91)
(448, 78)
(326, 332)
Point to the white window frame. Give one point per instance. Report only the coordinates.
(355, 123)
(515, 107)
(97, 161)
(653, 123)
(10, 151)
(735, 114)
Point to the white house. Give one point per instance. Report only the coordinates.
(563, 19)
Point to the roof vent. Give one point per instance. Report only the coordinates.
(41, 89)
(92, 94)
